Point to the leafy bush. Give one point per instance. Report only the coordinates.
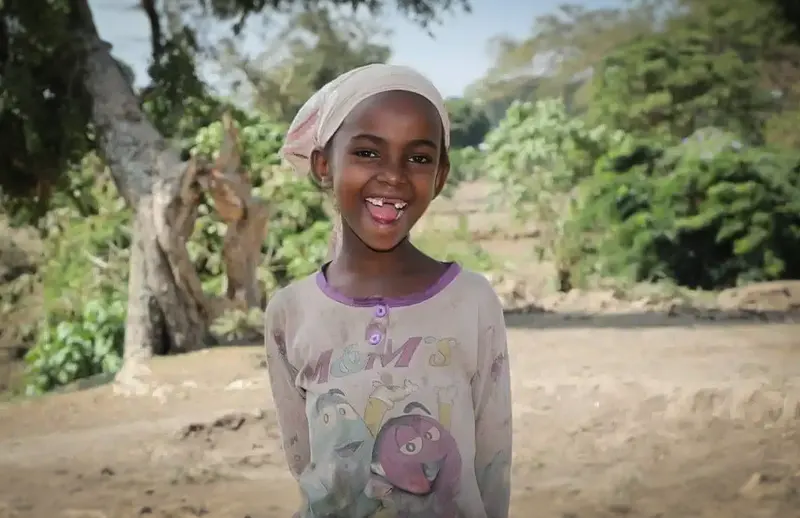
(68, 350)
(466, 165)
(705, 213)
(537, 156)
(84, 289)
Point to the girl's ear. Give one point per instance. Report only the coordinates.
(320, 168)
(442, 173)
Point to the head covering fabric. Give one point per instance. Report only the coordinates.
(322, 115)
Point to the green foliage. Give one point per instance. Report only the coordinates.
(466, 165)
(240, 326)
(68, 350)
(44, 107)
(297, 237)
(469, 123)
(458, 246)
(81, 313)
(706, 213)
(674, 83)
(537, 155)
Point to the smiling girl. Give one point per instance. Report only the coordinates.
(389, 368)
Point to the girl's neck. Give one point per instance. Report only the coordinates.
(356, 257)
(359, 272)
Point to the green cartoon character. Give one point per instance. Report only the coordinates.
(341, 449)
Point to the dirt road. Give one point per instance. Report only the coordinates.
(677, 420)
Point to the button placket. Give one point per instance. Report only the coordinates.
(380, 312)
(375, 338)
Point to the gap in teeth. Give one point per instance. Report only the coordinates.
(379, 203)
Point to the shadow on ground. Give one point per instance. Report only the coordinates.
(537, 319)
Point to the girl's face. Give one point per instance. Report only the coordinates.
(386, 164)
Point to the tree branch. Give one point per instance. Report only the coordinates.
(156, 36)
(132, 147)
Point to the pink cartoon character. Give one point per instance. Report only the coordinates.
(416, 454)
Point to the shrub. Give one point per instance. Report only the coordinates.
(466, 165)
(704, 213)
(538, 156)
(68, 350)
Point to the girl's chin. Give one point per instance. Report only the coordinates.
(383, 244)
(380, 235)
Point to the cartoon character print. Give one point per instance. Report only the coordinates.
(349, 362)
(382, 399)
(416, 463)
(444, 352)
(341, 449)
(341, 446)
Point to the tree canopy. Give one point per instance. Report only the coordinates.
(46, 108)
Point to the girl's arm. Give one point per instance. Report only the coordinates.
(289, 399)
(491, 392)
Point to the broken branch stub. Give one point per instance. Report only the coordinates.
(245, 216)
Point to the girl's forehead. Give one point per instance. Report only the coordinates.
(392, 110)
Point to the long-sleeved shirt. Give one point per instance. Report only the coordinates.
(393, 407)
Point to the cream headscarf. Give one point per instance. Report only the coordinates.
(320, 117)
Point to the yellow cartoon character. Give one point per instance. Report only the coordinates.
(444, 352)
(382, 399)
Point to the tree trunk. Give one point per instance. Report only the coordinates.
(167, 310)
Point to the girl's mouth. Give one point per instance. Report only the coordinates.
(385, 210)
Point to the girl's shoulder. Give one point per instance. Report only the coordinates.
(287, 298)
(476, 287)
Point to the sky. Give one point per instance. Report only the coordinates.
(456, 56)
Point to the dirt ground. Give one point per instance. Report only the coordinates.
(676, 420)
(645, 415)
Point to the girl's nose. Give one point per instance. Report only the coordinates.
(392, 173)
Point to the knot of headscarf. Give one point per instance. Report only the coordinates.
(323, 114)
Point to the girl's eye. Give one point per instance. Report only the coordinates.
(365, 153)
(420, 159)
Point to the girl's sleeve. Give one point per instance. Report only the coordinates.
(289, 399)
(491, 394)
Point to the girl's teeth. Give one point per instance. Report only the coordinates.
(378, 202)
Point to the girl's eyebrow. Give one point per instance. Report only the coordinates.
(380, 141)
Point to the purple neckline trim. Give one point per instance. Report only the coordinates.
(452, 271)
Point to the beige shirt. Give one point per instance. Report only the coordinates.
(394, 407)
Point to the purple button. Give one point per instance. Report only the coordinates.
(381, 310)
(375, 338)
